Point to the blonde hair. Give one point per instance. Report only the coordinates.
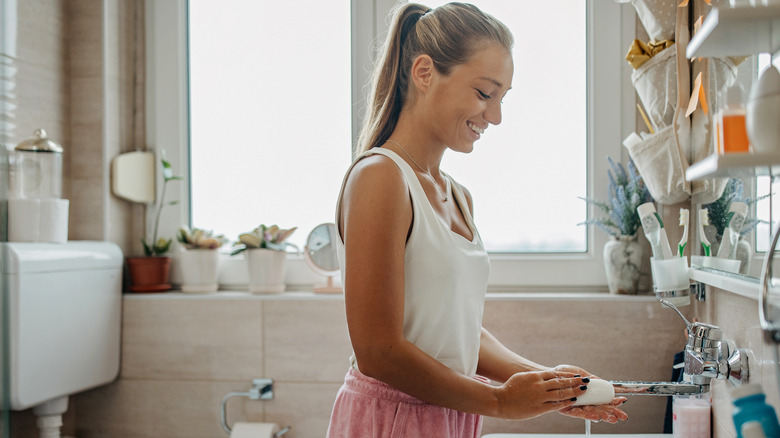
(448, 34)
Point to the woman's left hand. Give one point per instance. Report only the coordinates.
(609, 413)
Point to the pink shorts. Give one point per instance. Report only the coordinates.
(368, 408)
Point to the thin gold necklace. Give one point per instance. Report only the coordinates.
(446, 180)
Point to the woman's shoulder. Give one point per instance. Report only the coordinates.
(377, 167)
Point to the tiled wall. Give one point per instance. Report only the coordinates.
(737, 316)
(76, 63)
(181, 354)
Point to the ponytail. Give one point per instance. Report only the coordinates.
(387, 93)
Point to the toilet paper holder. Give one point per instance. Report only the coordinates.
(262, 389)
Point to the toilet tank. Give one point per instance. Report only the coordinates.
(64, 310)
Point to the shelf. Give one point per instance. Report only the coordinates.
(737, 31)
(734, 165)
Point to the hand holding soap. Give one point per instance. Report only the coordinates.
(599, 392)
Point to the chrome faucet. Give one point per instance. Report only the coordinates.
(707, 357)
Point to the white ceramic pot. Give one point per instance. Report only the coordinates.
(199, 270)
(266, 270)
(622, 263)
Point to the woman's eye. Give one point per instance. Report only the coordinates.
(483, 95)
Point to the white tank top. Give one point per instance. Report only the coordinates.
(445, 278)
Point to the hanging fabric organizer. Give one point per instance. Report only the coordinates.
(679, 124)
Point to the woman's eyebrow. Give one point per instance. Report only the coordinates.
(495, 82)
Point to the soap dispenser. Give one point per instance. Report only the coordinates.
(750, 406)
(38, 168)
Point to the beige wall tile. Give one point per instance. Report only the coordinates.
(182, 339)
(585, 333)
(315, 352)
(162, 409)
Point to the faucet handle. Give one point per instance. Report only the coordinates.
(673, 307)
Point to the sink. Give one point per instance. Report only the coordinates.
(593, 435)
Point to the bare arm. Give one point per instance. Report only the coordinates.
(376, 219)
(499, 363)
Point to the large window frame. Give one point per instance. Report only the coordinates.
(610, 119)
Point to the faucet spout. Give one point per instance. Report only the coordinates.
(659, 388)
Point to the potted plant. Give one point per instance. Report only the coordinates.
(199, 259)
(620, 220)
(266, 257)
(149, 273)
(719, 213)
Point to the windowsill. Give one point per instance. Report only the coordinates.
(312, 296)
(737, 284)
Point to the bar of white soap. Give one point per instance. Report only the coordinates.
(599, 392)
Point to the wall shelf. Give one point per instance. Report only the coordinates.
(734, 165)
(737, 31)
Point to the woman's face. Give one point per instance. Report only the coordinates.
(467, 100)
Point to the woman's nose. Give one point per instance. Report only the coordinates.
(493, 113)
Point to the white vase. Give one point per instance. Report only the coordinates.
(622, 263)
(199, 270)
(266, 270)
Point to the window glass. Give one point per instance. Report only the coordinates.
(526, 174)
(270, 113)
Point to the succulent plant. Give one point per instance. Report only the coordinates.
(627, 191)
(155, 246)
(198, 238)
(271, 237)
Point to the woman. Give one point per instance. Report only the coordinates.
(414, 267)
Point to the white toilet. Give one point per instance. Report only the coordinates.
(64, 306)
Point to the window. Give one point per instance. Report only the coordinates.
(290, 155)
(270, 114)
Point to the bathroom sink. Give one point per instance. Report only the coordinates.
(593, 435)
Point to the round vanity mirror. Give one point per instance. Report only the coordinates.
(320, 255)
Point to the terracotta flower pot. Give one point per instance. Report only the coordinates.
(149, 274)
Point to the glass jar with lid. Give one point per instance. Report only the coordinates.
(38, 168)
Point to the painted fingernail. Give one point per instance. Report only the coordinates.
(577, 375)
(573, 399)
(586, 379)
(584, 387)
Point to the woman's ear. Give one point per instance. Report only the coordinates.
(422, 72)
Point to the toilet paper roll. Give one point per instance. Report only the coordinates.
(254, 430)
(38, 220)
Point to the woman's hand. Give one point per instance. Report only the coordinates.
(530, 394)
(609, 412)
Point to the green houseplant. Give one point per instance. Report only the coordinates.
(626, 191)
(199, 259)
(620, 220)
(150, 273)
(265, 248)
